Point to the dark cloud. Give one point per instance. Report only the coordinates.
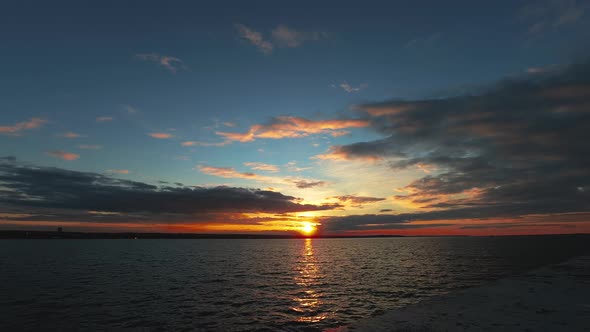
(358, 201)
(369, 222)
(519, 147)
(304, 184)
(60, 191)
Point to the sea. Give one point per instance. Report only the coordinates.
(248, 284)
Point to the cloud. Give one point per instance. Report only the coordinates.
(49, 190)
(199, 143)
(63, 155)
(89, 147)
(517, 148)
(350, 89)
(293, 127)
(231, 173)
(160, 135)
(262, 167)
(104, 119)
(70, 135)
(282, 36)
(18, 127)
(289, 37)
(255, 38)
(304, 184)
(358, 201)
(118, 171)
(131, 110)
(542, 16)
(172, 64)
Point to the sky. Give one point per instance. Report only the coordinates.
(324, 118)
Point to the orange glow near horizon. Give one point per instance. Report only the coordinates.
(308, 229)
(526, 225)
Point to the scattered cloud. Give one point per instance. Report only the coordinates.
(172, 64)
(255, 38)
(160, 135)
(71, 135)
(199, 143)
(292, 166)
(63, 155)
(282, 36)
(131, 110)
(104, 119)
(293, 127)
(304, 184)
(118, 171)
(231, 173)
(262, 167)
(351, 89)
(357, 201)
(542, 16)
(18, 127)
(289, 37)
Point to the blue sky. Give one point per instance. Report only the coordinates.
(111, 74)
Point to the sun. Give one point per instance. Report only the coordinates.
(307, 228)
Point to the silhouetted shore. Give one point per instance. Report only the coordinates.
(553, 298)
(95, 235)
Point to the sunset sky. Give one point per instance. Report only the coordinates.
(351, 118)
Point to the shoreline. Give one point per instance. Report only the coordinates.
(550, 298)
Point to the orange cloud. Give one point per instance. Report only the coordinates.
(262, 167)
(20, 126)
(231, 173)
(63, 155)
(71, 135)
(339, 154)
(293, 127)
(160, 135)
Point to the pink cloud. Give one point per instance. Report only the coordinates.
(104, 118)
(160, 135)
(63, 155)
(20, 126)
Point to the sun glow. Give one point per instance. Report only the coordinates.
(307, 228)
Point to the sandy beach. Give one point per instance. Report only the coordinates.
(552, 298)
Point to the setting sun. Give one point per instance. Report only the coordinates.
(307, 228)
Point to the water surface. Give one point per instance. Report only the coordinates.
(258, 284)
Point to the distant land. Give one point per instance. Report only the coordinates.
(21, 234)
(14, 234)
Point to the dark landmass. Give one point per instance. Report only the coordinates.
(16, 234)
(93, 235)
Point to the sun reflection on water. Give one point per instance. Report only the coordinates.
(308, 299)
